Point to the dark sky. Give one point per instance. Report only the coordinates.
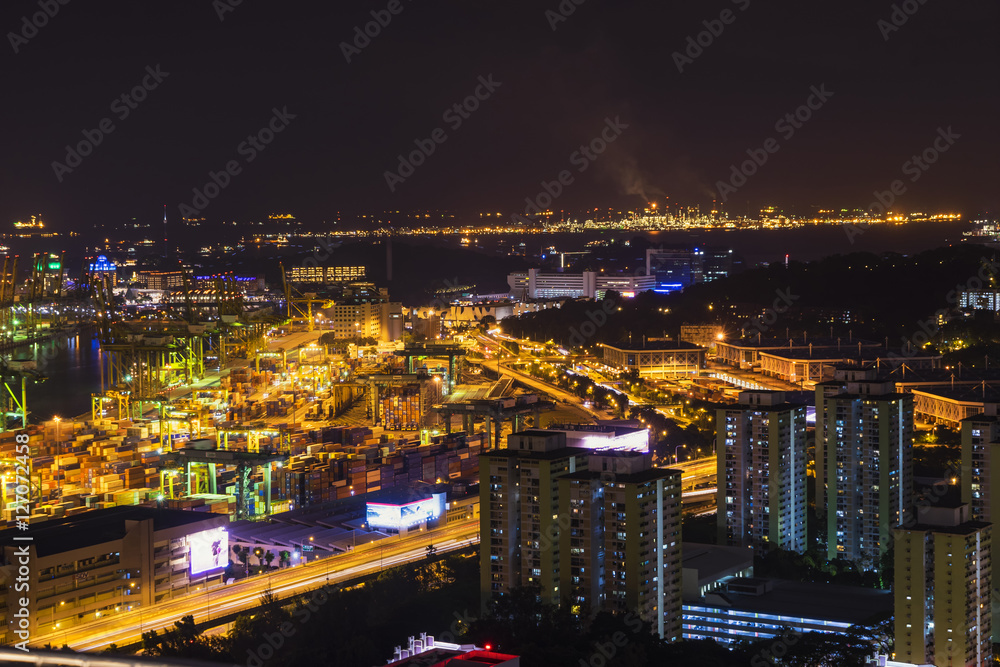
(606, 60)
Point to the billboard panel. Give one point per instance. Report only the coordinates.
(209, 550)
(397, 517)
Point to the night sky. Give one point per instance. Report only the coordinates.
(892, 91)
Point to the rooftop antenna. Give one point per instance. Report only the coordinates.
(166, 248)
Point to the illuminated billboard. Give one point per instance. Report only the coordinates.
(209, 550)
(398, 517)
(630, 440)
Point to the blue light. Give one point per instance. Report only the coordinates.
(102, 264)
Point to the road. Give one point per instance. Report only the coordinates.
(227, 599)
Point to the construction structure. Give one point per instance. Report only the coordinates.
(205, 480)
(15, 376)
(451, 351)
(299, 305)
(496, 404)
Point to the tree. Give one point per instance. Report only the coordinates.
(431, 550)
(184, 640)
(268, 557)
(244, 556)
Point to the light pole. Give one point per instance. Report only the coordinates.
(676, 458)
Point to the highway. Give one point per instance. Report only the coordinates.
(699, 473)
(245, 595)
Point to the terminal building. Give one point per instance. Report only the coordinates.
(656, 359)
(113, 561)
(534, 284)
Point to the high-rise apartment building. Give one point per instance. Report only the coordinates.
(621, 551)
(519, 510)
(942, 585)
(864, 463)
(980, 465)
(761, 452)
(601, 530)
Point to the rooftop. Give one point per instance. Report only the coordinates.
(851, 604)
(653, 345)
(713, 561)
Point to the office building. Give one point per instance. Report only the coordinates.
(761, 453)
(981, 299)
(161, 280)
(864, 463)
(535, 284)
(359, 318)
(621, 551)
(325, 275)
(112, 561)
(679, 267)
(626, 285)
(943, 586)
(519, 509)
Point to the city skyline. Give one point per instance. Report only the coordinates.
(293, 110)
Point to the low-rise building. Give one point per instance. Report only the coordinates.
(752, 609)
(110, 562)
(656, 359)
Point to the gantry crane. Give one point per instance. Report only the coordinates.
(299, 305)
